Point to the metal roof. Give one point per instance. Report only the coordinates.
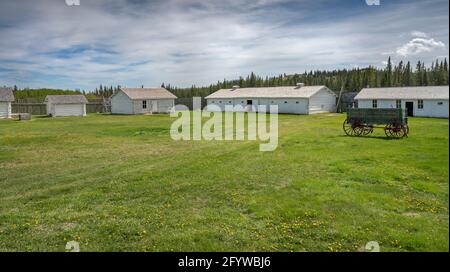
(66, 99)
(423, 93)
(148, 93)
(6, 95)
(269, 92)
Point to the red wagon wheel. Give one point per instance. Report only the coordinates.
(353, 127)
(396, 130)
(367, 130)
(406, 130)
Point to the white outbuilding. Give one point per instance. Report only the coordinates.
(430, 101)
(66, 105)
(142, 101)
(298, 99)
(6, 97)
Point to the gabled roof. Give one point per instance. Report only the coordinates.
(269, 92)
(147, 93)
(66, 99)
(6, 95)
(422, 93)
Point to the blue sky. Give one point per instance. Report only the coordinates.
(183, 42)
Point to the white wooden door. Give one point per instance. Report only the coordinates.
(154, 106)
(69, 110)
(4, 109)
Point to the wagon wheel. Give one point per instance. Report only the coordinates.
(353, 127)
(406, 130)
(395, 130)
(367, 130)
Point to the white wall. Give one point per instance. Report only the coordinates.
(431, 108)
(291, 105)
(153, 106)
(5, 109)
(165, 105)
(287, 105)
(121, 104)
(382, 104)
(322, 101)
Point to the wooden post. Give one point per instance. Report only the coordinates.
(339, 109)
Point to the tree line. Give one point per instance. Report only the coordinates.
(40, 94)
(350, 80)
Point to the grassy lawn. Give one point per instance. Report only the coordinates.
(119, 183)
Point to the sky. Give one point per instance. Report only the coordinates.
(48, 43)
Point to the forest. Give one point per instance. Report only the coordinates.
(349, 80)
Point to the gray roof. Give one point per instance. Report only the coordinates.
(349, 97)
(148, 93)
(269, 92)
(66, 99)
(422, 93)
(6, 95)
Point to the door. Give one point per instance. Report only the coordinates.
(410, 108)
(249, 107)
(69, 110)
(4, 112)
(154, 106)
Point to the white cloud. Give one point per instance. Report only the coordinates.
(186, 42)
(419, 34)
(419, 45)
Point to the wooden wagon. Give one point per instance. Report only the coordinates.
(361, 122)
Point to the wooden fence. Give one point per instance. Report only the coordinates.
(187, 101)
(37, 107)
(41, 109)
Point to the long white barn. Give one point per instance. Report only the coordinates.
(430, 101)
(298, 99)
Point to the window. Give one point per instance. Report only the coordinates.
(220, 101)
(285, 102)
(420, 104)
(440, 103)
(249, 102)
(398, 104)
(229, 102)
(144, 104)
(297, 102)
(374, 104)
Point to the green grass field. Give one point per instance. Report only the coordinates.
(119, 183)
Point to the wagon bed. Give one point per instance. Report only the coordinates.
(361, 122)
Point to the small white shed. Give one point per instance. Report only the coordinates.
(6, 97)
(142, 101)
(298, 99)
(66, 105)
(428, 101)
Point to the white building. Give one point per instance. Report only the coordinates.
(298, 99)
(6, 97)
(66, 105)
(418, 101)
(142, 101)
